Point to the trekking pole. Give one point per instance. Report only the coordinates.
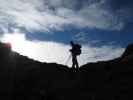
(68, 59)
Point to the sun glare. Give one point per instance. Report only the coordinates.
(16, 40)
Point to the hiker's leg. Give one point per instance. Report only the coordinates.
(76, 63)
(73, 62)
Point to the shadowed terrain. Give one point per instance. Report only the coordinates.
(22, 78)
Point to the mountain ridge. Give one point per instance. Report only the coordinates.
(23, 78)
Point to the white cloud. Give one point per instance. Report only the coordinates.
(57, 52)
(94, 54)
(46, 15)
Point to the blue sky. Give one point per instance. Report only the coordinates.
(99, 25)
(102, 37)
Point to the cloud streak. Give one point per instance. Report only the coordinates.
(49, 15)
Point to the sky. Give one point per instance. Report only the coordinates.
(42, 29)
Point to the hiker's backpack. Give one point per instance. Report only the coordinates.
(77, 49)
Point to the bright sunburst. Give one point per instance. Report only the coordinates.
(20, 44)
(17, 41)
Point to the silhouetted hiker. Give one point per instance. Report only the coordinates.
(75, 51)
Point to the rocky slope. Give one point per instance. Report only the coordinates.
(25, 79)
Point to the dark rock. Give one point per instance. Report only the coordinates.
(22, 78)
